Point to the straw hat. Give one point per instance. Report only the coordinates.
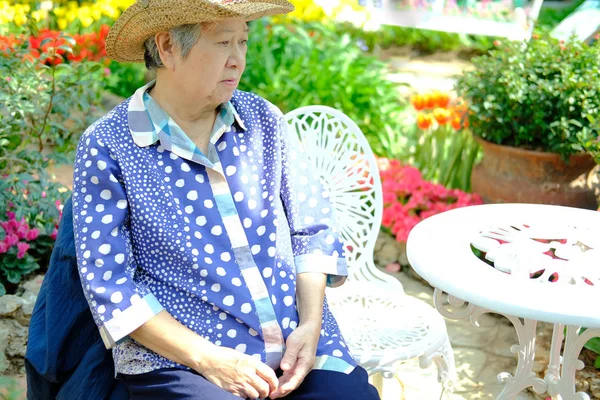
(145, 18)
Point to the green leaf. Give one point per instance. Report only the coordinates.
(13, 276)
(593, 345)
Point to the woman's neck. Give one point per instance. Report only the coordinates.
(183, 110)
(193, 117)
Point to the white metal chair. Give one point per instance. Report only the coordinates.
(381, 324)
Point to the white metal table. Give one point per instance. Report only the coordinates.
(534, 263)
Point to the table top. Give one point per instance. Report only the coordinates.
(537, 261)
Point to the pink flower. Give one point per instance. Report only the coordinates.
(22, 232)
(33, 234)
(3, 248)
(408, 199)
(54, 234)
(43, 195)
(10, 215)
(11, 240)
(394, 267)
(22, 248)
(388, 217)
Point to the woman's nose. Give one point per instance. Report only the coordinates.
(237, 57)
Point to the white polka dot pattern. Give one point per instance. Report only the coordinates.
(157, 236)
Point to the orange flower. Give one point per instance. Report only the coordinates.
(456, 123)
(424, 121)
(417, 102)
(441, 99)
(429, 101)
(442, 116)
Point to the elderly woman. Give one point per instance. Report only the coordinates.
(204, 241)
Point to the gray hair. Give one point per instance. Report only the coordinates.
(183, 36)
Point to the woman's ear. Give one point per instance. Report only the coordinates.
(166, 49)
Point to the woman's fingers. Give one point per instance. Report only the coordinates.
(268, 375)
(250, 393)
(302, 368)
(290, 380)
(261, 386)
(291, 355)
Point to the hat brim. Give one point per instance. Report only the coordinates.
(125, 41)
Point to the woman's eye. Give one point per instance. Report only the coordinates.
(245, 41)
(225, 43)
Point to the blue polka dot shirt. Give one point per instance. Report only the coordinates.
(215, 239)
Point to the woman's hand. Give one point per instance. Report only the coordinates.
(299, 357)
(238, 373)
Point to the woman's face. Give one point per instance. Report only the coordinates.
(214, 66)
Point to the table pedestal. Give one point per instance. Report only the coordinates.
(559, 379)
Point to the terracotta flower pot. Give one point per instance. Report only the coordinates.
(513, 175)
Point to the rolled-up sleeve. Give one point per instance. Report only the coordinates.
(103, 242)
(316, 241)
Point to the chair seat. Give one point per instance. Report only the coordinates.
(383, 326)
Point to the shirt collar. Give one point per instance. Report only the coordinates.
(143, 120)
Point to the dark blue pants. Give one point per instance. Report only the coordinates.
(177, 384)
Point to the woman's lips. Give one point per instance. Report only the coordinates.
(230, 82)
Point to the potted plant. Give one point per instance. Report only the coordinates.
(532, 106)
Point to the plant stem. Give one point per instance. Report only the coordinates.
(40, 140)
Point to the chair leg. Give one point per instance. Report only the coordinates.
(444, 360)
(378, 383)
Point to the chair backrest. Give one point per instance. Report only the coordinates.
(343, 158)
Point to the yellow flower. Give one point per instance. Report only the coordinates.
(62, 24)
(20, 19)
(39, 15)
(331, 10)
(86, 21)
(71, 15)
(96, 14)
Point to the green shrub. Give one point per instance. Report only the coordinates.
(47, 102)
(30, 210)
(538, 95)
(125, 78)
(304, 64)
